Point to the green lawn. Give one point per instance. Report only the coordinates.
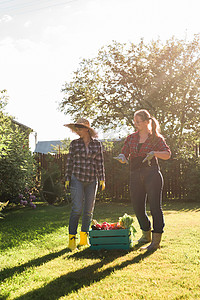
(36, 264)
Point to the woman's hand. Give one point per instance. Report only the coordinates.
(159, 154)
(121, 158)
(149, 157)
(66, 184)
(102, 185)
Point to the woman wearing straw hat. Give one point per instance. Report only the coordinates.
(85, 166)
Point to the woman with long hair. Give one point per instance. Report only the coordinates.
(143, 148)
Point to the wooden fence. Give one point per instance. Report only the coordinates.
(117, 176)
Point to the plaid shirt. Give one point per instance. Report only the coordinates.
(86, 166)
(130, 148)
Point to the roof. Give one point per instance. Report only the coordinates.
(21, 125)
(47, 146)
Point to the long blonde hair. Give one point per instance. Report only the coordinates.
(154, 124)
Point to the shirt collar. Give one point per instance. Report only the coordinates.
(137, 135)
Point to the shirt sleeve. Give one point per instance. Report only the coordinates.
(126, 148)
(69, 164)
(162, 145)
(100, 164)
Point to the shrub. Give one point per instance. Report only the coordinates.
(2, 206)
(192, 179)
(16, 160)
(52, 188)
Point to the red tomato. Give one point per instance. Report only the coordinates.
(98, 226)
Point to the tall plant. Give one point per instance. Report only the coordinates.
(16, 161)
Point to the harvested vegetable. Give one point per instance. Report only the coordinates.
(126, 221)
(105, 226)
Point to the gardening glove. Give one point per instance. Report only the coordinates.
(66, 184)
(102, 185)
(121, 158)
(149, 157)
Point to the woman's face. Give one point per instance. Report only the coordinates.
(82, 132)
(139, 124)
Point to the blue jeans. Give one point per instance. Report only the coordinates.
(147, 183)
(83, 195)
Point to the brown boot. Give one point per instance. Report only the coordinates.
(155, 244)
(145, 238)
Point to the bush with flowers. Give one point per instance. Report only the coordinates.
(27, 198)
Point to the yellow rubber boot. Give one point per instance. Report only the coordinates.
(84, 241)
(72, 242)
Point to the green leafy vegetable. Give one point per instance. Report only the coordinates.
(127, 221)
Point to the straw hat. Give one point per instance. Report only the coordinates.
(82, 123)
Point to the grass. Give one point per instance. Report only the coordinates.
(36, 264)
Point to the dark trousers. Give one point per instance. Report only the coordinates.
(147, 183)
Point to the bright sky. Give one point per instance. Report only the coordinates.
(43, 41)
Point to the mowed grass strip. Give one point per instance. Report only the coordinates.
(36, 264)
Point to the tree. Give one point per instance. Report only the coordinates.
(163, 78)
(16, 161)
(64, 148)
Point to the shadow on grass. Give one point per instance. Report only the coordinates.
(25, 225)
(6, 273)
(169, 206)
(73, 281)
(87, 253)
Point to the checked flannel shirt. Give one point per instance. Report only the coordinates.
(130, 149)
(85, 165)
